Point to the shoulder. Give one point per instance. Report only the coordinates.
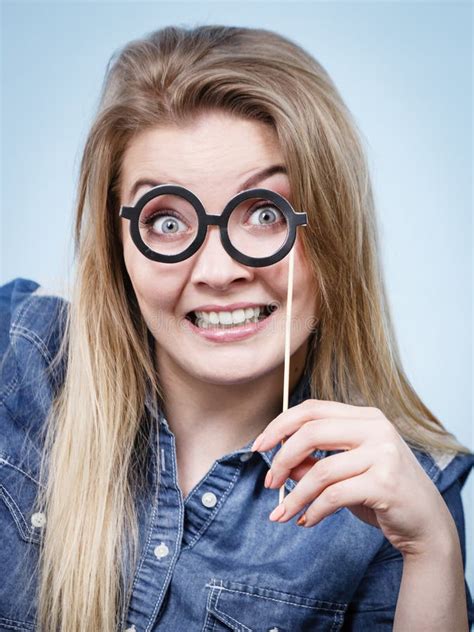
(445, 469)
(12, 295)
(32, 324)
(449, 472)
(31, 313)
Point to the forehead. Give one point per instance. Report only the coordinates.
(214, 150)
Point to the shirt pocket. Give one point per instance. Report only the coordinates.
(245, 608)
(21, 526)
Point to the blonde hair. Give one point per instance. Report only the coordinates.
(95, 437)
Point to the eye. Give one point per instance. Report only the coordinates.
(165, 223)
(265, 214)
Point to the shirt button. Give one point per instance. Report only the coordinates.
(209, 499)
(274, 629)
(161, 550)
(38, 519)
(246, 456)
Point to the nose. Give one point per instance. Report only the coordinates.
(213, 266)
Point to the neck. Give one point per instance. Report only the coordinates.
(222, 417)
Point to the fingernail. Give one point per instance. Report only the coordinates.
(278, 512)
(268, 479)
(257, 443)
(301, 520)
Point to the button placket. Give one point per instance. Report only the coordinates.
(161, 550)
(202, 505)
(209, 499)
(163, 542)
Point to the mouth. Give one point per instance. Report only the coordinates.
(231, 319)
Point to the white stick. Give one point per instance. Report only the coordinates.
(287, 348)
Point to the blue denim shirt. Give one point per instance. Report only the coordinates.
(211, 561)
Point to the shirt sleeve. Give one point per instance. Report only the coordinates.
(375, 600)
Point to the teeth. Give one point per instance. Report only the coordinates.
(225, 318)
(213, 317)
(236, 317)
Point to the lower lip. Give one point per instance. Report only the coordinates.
(230, 335)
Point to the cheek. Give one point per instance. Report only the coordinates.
(305, 289)
(275, 278)
(158, 286)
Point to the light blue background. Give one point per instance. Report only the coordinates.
(404, 69)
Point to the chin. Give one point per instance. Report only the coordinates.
(222, 375)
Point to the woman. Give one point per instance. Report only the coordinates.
(134, 499)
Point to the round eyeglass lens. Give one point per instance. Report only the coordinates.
(168, 224)
(257, 227)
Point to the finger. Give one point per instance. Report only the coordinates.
(358, 490)
(300, 470)
(287, 422)
(325, 473)
(324, 434)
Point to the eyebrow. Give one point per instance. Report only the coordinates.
(247, 184)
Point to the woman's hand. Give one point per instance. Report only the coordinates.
(378, 477)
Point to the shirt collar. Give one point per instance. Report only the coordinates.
(301, 391)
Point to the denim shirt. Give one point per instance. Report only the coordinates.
(212, 561)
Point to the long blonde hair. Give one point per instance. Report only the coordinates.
(95, 437)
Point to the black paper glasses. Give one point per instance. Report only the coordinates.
(169, 224)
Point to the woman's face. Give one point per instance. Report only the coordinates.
(214, 157)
